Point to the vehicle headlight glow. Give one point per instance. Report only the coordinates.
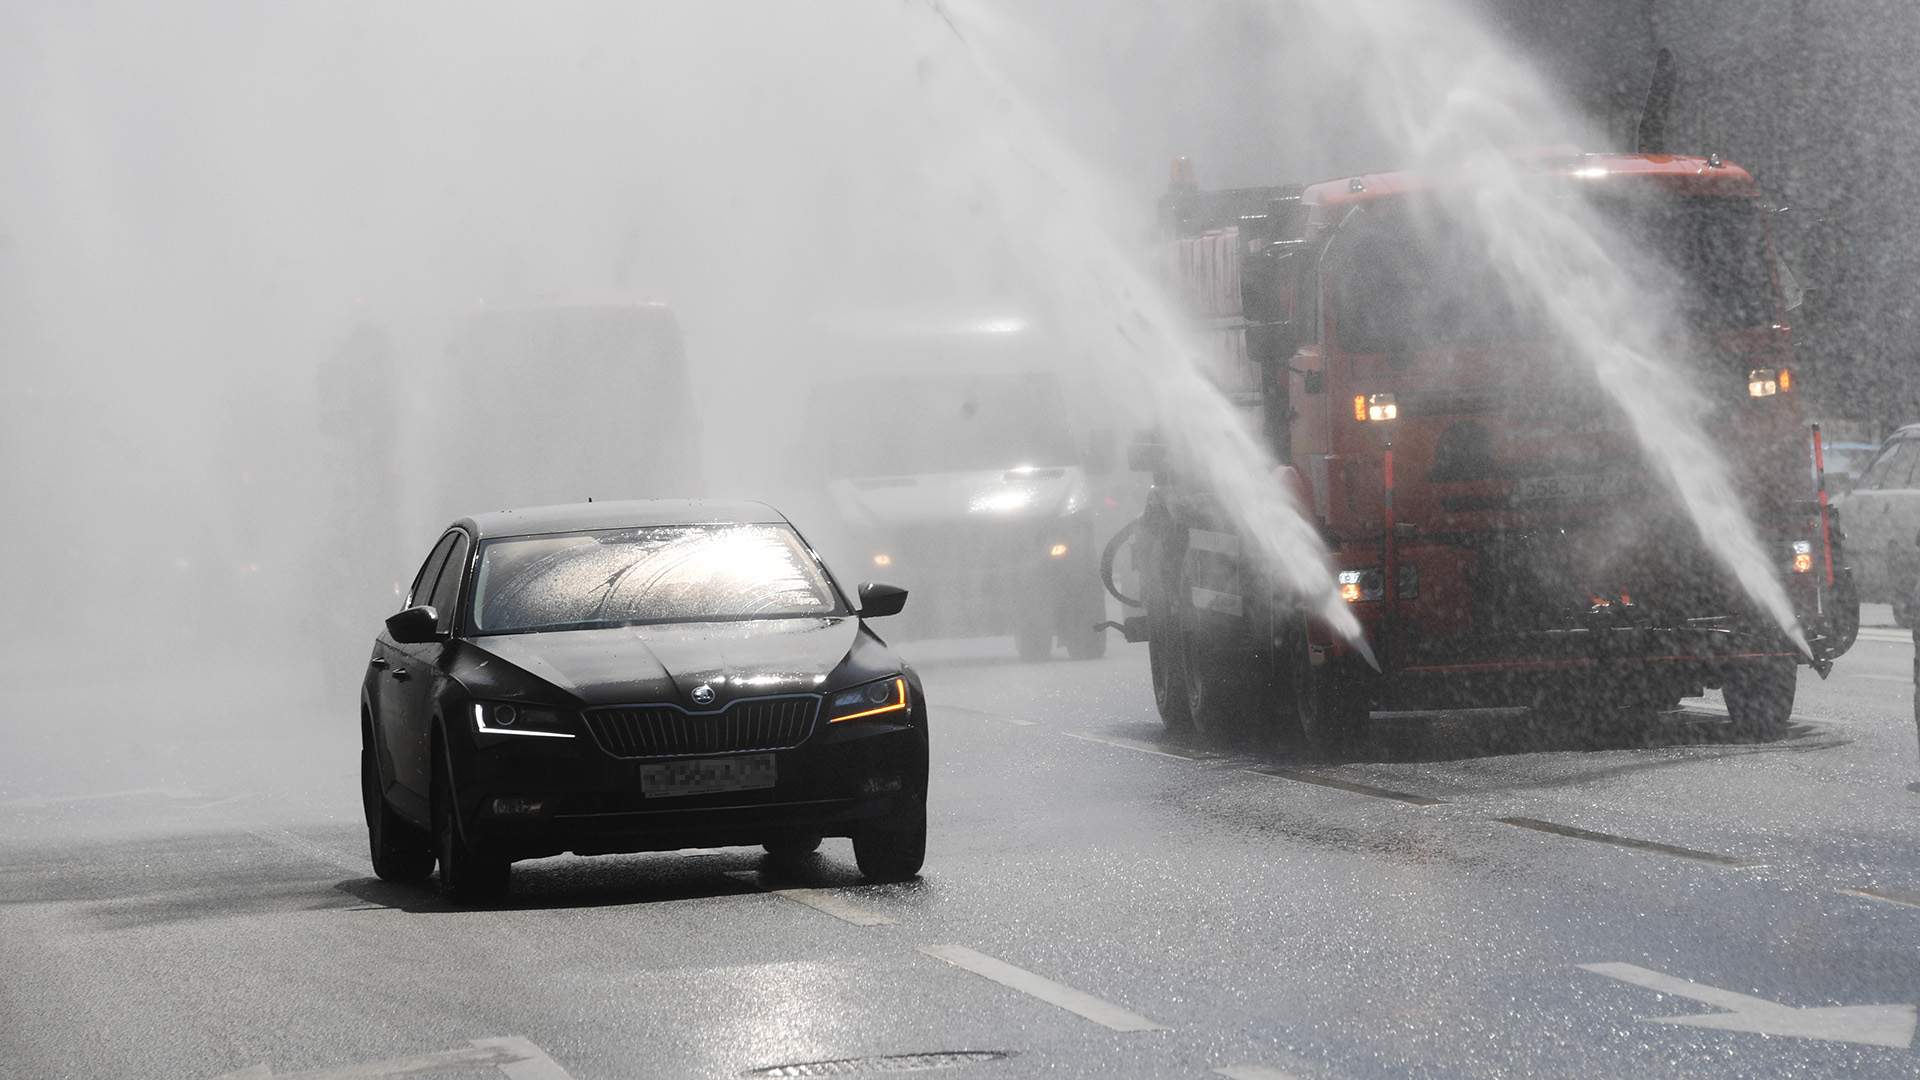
(1370, 584)
(506, 718)
(1766, 382)
(873, 699)
(882, 559)
(1803, 556)
(1057, 551)
(1375, 408)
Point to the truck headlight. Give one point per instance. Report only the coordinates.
(1357, 586)
(880, 698)
(1803, 556)
(1766, 382)
(507, 718)
(1375, 408)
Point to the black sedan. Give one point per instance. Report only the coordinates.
(638, 676)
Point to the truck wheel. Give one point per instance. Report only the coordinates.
(1333, 711)
(1165, 660)
(1760, 697)
(467, 875)
(1219, 684)
(399, 851)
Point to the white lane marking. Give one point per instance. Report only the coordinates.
(1254, 1072)
(1873, 1025)
(985, 715)
(318, 852)
(1903, 899)
(515, 1057)
(1131, 744)
(819, 900)
(1891, 637)
(43, 802)
(1080, 1003)
(532, 1062)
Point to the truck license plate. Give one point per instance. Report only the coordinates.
(705, 776)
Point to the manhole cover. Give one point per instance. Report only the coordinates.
(890, 1063)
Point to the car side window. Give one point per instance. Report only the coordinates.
(446, 591)
(429, 571)
(1899, 472)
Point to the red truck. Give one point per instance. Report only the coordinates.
(1493, 522)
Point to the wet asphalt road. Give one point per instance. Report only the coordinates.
(1098, 902)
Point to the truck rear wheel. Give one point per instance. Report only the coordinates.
(1166, 661)
(1760, 697)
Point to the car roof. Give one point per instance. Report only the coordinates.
(627, 514)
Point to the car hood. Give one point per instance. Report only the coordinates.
(635, 664)
(928, 498)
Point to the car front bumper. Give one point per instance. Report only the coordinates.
(592, 803)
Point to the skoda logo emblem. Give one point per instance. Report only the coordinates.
(703, 694)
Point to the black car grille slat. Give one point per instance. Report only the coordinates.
(632, 731)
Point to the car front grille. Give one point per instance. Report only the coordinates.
(637, 731)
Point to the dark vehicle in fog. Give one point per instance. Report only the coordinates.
(635, 676)
(969, 481)
(1882, 515)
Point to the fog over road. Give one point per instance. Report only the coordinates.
(1486, 900)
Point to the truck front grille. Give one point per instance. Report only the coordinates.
(637, 731)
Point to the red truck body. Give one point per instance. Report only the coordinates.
(1499, 530)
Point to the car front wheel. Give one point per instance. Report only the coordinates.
(468, 875)
(400, 852)
(893, 850)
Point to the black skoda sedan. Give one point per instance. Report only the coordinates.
(635, 676)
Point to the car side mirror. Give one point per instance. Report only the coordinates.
(877, 600)
(414, 626)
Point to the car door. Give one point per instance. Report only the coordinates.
(426, 671)
(395, 710)
(1865, 515)
(1900, 493)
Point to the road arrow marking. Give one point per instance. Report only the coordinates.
(1873, 1025)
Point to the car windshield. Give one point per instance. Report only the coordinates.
(657, 574)
(960, 423)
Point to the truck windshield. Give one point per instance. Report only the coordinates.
(669, 573)
(960, 423)
(1407, 278)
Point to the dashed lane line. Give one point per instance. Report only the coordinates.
(1134, 745)
(1080, 1003)
(1305, 777)
(312, 850)
(824, 900)
(1633, 843)
(985, 715)
(1889, 896)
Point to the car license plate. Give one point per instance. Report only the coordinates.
(706, 776)
(1574, 486)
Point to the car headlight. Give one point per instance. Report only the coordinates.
(507, 718)
(882, 698)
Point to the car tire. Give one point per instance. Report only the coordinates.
(400, 852)
(1033, 641)
(1760, 697)
(468, 875)
(893, 850)
(791, 850)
